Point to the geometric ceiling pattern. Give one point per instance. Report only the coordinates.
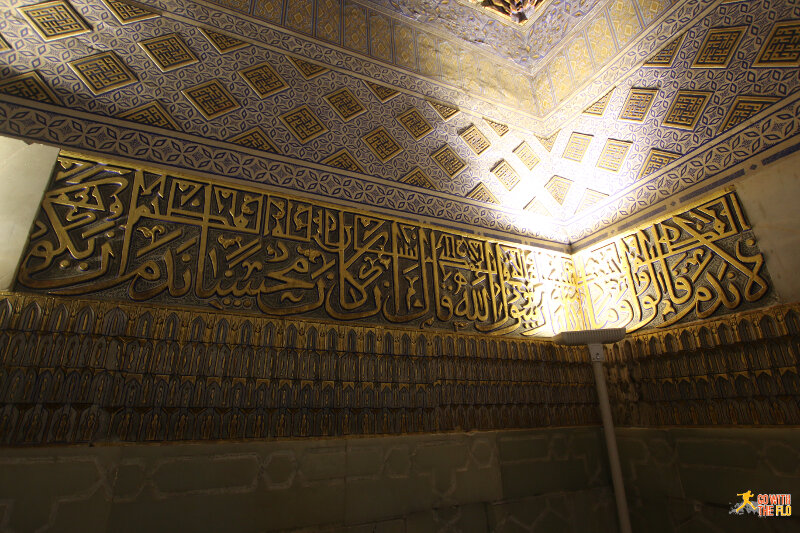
(369, 103)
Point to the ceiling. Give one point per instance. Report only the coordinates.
(589, 116)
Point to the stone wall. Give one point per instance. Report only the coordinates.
(687, 479)
(538, 480)
(543, 481)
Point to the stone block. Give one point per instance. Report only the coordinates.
(541, 477)
(191, 474)
(323, 463)
(722, 452)
(522, 448)
(370, 500)
(364, 461)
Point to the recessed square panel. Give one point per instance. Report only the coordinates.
(307, 69)
(103, 72)
(589, 199)
(599, 107)
(346, 105)
(499, 129)
(418, 178)
(345, 161)
(613, 155)
(381, 92)
(263, 80)
(448, 160)
(686, 109)
(152, 114)
(382, 144)
(536, 206)
(128, 13)
(444, 110)
(782, 48)
(303, 123)
(558, 187)
(212, 99)
(475, 139)
(29, 86)
(637, 104)
(414, 123)
(743, 108)
(506, 174)
(656, 160)
(481, 193)
(55, 20)
(168, 52)
(526, 155)
(665, 56)
(255, 138)
(718, 47)
(222, 42)
(576, 146)
(549, 141)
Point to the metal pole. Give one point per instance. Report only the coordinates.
(598, 356)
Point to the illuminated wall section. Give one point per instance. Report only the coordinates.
(692, 265)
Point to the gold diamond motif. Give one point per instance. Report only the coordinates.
(303, 123)
(475, 139)
(599, 107)
(718, 47)
(381, 92)
(382, 144)
(169, 52)
(656, 160)
(526, 155)
(127, 13)
(637, 104)
(307, 70)
(589, 199)
(55, 20)
(506, 174)
(686, 109)
(223, 43)
(103, 72)
(499, 129)
(745, 107)
(576, 146)
(481, 193)
(613, 155)
(443, 110)
(29, 86)
(782, 48)
(550, 141)
(665, 56)
(558, 188)
(263, 80)
(418, 178)
(414, 123)
(152, 114)
(346, 105)
(212, 99)
(255, 138)
(343, 160)
(448, 160)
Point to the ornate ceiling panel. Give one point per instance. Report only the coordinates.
(353, 102)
